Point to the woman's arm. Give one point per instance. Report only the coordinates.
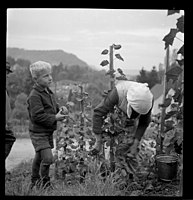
(101, 111)
(144, 121)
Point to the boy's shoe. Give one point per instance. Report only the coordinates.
(35, 183)
(46, 183)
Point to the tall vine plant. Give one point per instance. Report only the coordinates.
(73, 138)
(170, 121)
(111, 73)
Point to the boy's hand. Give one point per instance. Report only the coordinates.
(60, 116)
(63, 110)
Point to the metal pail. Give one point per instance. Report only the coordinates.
(167, 166)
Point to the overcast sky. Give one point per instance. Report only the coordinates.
(86, 32)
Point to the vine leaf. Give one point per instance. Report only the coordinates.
(171, 12)
(104, 52)
(110, 72)
(181, 50)
(118, 46)
(170, 114)
(120, 71)
(171, 77)
(178, 96)
(169, 124)
(121, 78)
(119, 56)
(180, 24)
(173, 73)
(169, 38)
(104, 62)
(180, 62)
(166, 103)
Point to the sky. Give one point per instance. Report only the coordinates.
(87, 32)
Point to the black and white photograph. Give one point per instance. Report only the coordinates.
(94, 102)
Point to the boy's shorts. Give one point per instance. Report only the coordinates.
(41, 142)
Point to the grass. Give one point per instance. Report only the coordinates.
(18, 184)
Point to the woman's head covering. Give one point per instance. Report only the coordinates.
(139, 97)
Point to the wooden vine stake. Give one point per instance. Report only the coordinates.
(163, 113)
(56, 176)
(112, 85)
(81, 115)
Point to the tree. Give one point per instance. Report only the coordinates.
(153, 77)
(27, 82)
(56, 71)
(142, 77)
(15, 82)
(10, 60)
(150, 77)
(23, 63)
(20, 110)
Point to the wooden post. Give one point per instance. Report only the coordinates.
(56, 176)
(57, 140)
(82, 112)
(55, 87)
(112, 81)
(112, 84)
(163, 113)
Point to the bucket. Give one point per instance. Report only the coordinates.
(167, 166)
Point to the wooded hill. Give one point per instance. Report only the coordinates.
(54, 57)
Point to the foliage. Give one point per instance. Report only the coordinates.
(18, 182)
(56, 72)
(151, 77)
(20, 80)
(173, 126)
(72, 136)
(169, 125)
(20, 109)
(169, 38)
(131, 176)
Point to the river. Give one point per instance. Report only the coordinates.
(22, 150)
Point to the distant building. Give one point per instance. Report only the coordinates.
(158, 92)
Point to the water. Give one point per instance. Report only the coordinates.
(22, 150)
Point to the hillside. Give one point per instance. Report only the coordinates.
(52, 56)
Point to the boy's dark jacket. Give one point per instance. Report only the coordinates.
(42, 108)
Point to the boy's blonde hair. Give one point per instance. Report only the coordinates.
(38, 68)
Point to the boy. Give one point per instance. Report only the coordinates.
(44, 113)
